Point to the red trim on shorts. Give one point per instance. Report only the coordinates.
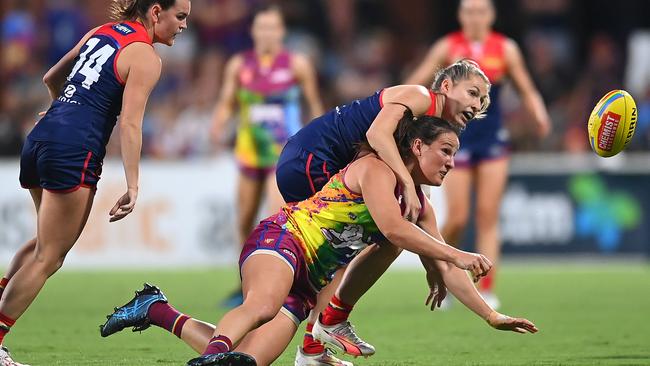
(381, 98)
(83, 171)
(432, 108)
(325, 170)
(307, 165)
(81, 183)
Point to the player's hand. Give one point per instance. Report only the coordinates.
(478, 264)
(124, 205)
(503, 322)
(412, 204)
(437, 289)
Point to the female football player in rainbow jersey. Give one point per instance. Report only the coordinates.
(291, 255)
(266, 84)
(328, 143)
(482, 161)
(109, 73)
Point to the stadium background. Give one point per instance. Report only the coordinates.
(564, 207)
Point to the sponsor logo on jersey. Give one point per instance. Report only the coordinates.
(69, 91)
(281, 76)
(607, 130)
(123, 29)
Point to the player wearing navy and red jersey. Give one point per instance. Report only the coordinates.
(482, 161)
(329, 143)
(109, 73)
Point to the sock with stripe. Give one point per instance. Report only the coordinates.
(336, 312)
(220, 344)
(165, 316)
(487, 282)
(309, 344)
(3, 283)
(5, 325)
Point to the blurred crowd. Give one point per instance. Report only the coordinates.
(576, 51)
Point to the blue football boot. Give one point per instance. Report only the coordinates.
(134, 313)
(223, 359)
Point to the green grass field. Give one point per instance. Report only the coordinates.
(588, 314)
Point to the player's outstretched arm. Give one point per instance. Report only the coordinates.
(464, 290)
(140, 66)
(377, 183)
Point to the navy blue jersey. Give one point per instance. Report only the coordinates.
(91, 100)
(333, 136)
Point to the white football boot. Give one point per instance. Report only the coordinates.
(325, 358)
(343, 337)
(5, 358)
(491, 299)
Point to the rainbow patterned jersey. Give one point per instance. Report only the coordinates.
(269, 109)
(332, 227)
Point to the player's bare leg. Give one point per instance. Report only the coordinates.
(266, 281)
(249, 198)
(364, 270)
(60, 220)
(267, 342)
(491, 179)
(274, 200)
(457, 185)
(26, 250)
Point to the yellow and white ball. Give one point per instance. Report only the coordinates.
(612, 123)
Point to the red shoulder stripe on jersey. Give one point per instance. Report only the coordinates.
(432, 108)
(117, 74)
(140, 35)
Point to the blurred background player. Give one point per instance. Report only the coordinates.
(110, 72)
(266, 84)
(482, 161)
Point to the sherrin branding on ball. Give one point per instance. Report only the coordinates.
(612, 123)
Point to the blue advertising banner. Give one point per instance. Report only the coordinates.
(576, 213)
